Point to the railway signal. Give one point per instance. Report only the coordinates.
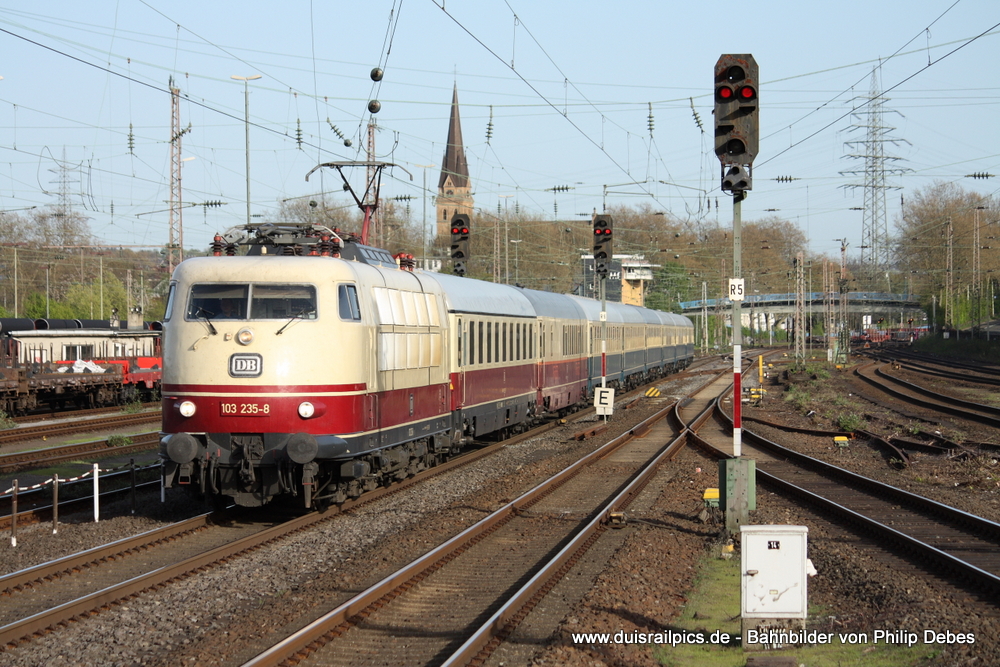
(736, 137)
(459, 242)
(602, 244)
(737, 130)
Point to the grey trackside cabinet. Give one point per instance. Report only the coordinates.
(774, 580)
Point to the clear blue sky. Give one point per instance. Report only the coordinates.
(569, 83)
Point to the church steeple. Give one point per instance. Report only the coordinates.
(454, 188)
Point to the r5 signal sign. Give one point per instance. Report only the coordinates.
(736, 289)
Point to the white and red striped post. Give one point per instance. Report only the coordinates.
(737, 326)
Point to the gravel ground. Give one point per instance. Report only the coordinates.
(859, 586)
(244, 603)
(237, 605)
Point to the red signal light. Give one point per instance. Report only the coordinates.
(724, 94)
(747, 93)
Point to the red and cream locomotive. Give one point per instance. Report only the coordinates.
(317, 368)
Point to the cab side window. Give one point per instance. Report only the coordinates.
(347, 303)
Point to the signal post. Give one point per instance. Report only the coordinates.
(603, 253)
(737, 134)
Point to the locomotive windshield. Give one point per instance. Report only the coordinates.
(255, 301)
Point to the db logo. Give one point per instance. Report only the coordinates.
(246, 365)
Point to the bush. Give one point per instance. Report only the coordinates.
(851, 421)
(798, 397)
(818, 372)
(118, 440)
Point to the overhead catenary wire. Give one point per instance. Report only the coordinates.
(606, 110)
(549, 103)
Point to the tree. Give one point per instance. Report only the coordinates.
(319, 211)
(85, 300)
(35, 308)
(934, 218)
(671, 285)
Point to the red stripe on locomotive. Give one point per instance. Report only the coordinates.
(254, 412)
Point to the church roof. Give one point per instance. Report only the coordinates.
(454, 163)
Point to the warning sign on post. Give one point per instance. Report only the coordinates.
(735, 289)
(604, 400)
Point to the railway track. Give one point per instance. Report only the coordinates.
(35, 503)
(48, 415)
(874, 374)
(47, 596)
(960, 546)
(949, 368)
(38, 458)
(448, 612)
(72, 426)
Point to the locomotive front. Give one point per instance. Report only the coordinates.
(259, 376)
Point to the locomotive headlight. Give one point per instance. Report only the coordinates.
(187, 409)
(244, 336)
(306, 409)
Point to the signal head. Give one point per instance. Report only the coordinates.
(460, 242)
(603, 225)
(737, 129)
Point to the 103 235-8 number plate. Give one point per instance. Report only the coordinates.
(241, 409)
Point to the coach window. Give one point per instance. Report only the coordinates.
(489, 342)
(503, 345)
(461, 334)
(480, 344)
(347, 303)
